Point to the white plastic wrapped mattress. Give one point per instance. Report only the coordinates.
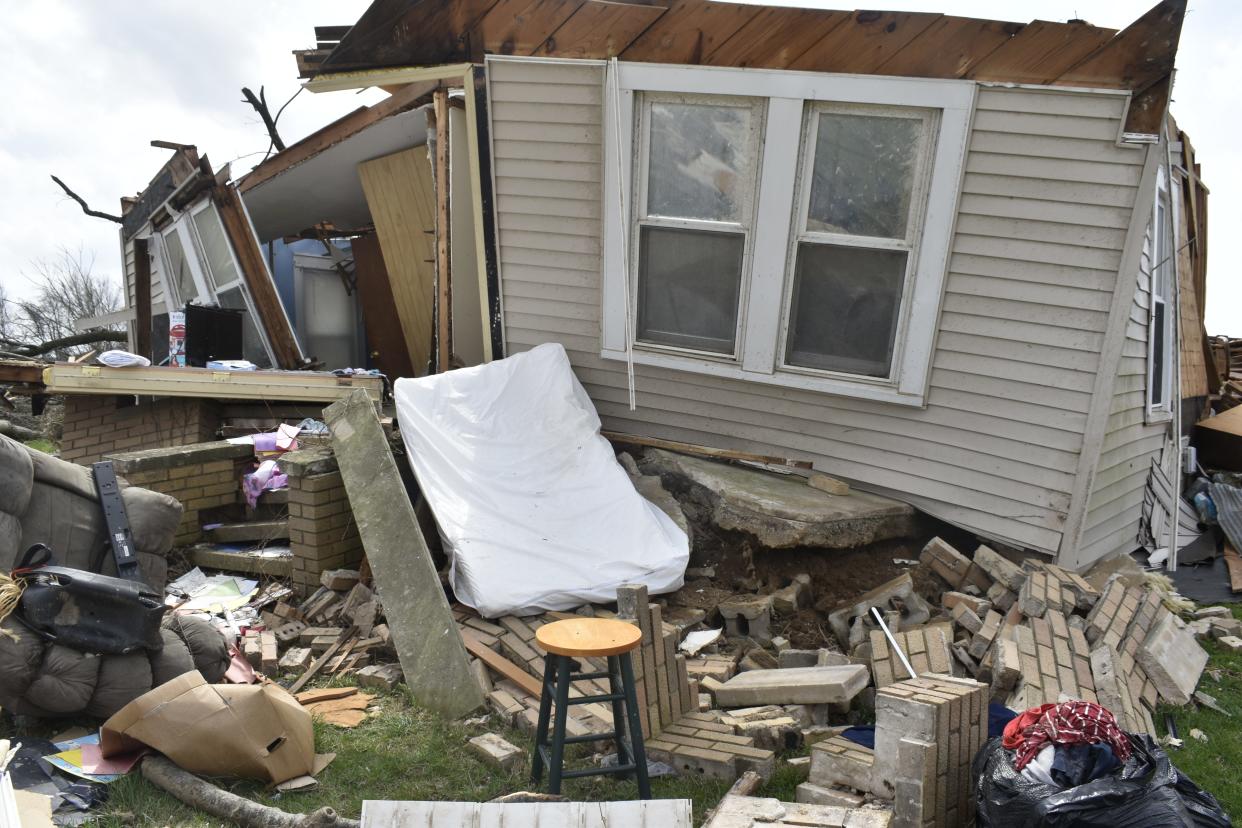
(534, 510)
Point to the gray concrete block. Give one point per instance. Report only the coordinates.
(433, 657)
(1173, 659)
(799, 685)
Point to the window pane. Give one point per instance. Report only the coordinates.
(252, 341)
(181, 276)
(701, 161)
(215, 247)
(845, 306)
(863, 175)
(688, 286)
(1160, 328)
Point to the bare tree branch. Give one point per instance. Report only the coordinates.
(259, 102)
(83, 338)
(85, 207)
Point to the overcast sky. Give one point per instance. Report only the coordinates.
(89, 84)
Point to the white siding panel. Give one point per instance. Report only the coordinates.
(1130, 444)
(1032, 268)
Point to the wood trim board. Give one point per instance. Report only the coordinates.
(163, 381)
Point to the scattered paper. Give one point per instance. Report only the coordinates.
(220, 593)
(698, 639)
(81, 757)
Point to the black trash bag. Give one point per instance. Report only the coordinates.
(1147, 792)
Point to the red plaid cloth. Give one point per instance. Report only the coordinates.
(1068, 723)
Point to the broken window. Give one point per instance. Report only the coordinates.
(779, 227)
(701, 159)
(1161, 341)
(861, 184)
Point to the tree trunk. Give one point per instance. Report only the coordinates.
(197, 793)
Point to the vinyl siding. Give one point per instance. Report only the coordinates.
(1040, 230)
(1130, 444)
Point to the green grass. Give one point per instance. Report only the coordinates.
(406, 752)
(43, 444)
(1214, 764)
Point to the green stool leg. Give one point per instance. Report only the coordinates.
(557, 760)
(541, 729)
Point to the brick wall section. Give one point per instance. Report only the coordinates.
(98, 426)
(201, 476)
(322, 531)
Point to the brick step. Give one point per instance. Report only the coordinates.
(210, 556)
(255, 530)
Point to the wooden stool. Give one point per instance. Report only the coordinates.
(589, 638)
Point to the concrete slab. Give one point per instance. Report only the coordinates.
(796, 685)
(781, 511)
(1174, 661)
(433, 658)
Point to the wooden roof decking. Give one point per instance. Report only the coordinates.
(710, 33)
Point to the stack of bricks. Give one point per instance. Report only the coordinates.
(664, 688)
(201, 476)
(698, 744)
(1118, 624)
(97, 426)
(927, 733)
(673, 730)
(926, 647)
(322, 532)
(1050, 588)
(1055, 663)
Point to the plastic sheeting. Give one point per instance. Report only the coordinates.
(534, 510)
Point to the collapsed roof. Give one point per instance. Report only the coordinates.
(709, 33)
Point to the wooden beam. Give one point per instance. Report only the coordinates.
(705, 451)
(142, 298)
(337, 81)
(500, 664)
(479, 144)
(272, 318)
(444, 285)
(164, 381)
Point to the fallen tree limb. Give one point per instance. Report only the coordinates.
(85, 207)
(83, 338)
(198, 793)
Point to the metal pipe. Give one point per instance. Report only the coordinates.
(892, 642)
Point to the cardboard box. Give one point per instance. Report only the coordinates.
(257, 731)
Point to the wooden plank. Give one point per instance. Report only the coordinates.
(483, 196)
(318, 664)
(500, 664)
(142, 298)
(600, 30)
(272, 318)
(689, 30)
(520, 27)
(1140, 56)
(653, 813)
(1234, 562)
(949, 48)
(775, 37)
(865, 43)
(705, 451)
(162, 381)
(1040, 52)
(401, 197)
(444, 285)
(385, 341)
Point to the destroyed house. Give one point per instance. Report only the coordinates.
(957, 262)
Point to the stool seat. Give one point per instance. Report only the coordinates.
(588, 637)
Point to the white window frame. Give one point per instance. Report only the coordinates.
(766, 285)
(1163, 257)
(185, 225)
(745, 225)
